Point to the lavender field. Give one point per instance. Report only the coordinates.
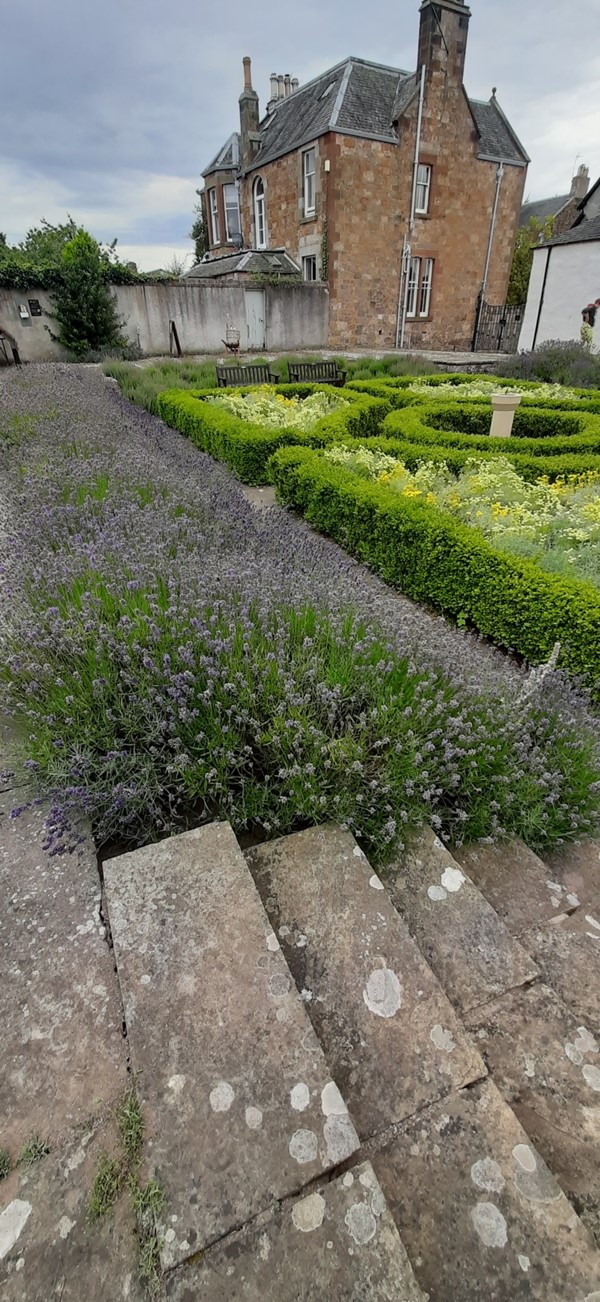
(173, 655)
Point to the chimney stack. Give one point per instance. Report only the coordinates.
(249, 118)
(580, 182)
(443, 34)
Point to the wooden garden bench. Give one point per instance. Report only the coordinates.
(260, 373)
(317, 373)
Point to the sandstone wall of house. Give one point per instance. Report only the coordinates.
(286, 226)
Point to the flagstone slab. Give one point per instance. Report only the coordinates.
(478, 1211)
(577, 866)
(337, 1242)
(547, 1066)
(567, 953)
(467, 945)
(391, 1037)
(520, 887)
(50, 1250)
(238, 1100)
(62, 1051)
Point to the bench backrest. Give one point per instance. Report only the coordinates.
(315, 371)
(261, 373)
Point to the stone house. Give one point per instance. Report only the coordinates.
(565, 280)
(562, 208)
(392, 186)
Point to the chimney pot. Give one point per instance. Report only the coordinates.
(247, 72)
(273, 85)
(295, 84)
(288, 84)
(280, 87)
(580, 182)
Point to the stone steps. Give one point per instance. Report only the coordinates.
(337, 1242)
(478, 1212)
(238, 1099)
(547, 1066)
(465, 942)
(391, 1038)
(62, 1050)
(476, 1208)
(518, 884)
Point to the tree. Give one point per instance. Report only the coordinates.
(83, 303)
(45, 244)
(528, 237)
(199, 233)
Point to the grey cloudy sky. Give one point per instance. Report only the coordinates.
(110, 111)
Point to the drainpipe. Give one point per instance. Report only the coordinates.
(541, 303)
(406, 248)
(488, 256)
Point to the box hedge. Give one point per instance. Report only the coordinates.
(587, 400)
(436, 559)
(247, 448)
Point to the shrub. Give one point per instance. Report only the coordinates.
(83, 303)
(435, 558)
(248, 448)
(556, 362)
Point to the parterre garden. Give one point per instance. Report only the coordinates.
(175, 656)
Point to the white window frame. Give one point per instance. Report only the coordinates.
(423, 189)
(312, 259)
(309, 175)
(425, 287)
(260, 213)
(414, 277)
(213, 210)
(233, 205)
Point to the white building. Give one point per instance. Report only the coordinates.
(565, 279)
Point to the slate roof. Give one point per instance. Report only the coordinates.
(248, 261)
(541, 209)
(359, 98)
(228, 158)
(585, 232)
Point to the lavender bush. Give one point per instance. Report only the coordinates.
(178, 656)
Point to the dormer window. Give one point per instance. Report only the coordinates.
(308, 183)
(260, 215)
(423, 189)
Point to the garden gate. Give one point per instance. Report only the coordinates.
(498, 328)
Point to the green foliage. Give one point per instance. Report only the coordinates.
(4, 1163)
(130, 1120)
(148, 1204)
(556, 361)
(248, 448)
(83, 303)
(34, 1150)
(437, 559)
(199, 231)
(325, 251)
(38, 260)
(106, 1188)
(528, 238)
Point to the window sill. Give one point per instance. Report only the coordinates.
(309, 217)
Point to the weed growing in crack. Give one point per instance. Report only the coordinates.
(5, 1163)
(108, 1183)
(34, 1150)
(130, 1121)
(148, 1203)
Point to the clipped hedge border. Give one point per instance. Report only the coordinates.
(587, 400)
(247, 448)
(428, 425)
(412, 453)
(436, 559)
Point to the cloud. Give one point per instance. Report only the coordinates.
(111, 111)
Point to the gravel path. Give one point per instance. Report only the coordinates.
(78, 403)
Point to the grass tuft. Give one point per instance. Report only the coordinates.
(131, 1125)
(34, 1150)
(5, 1163)
(148, 1203)
(108, 1182)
